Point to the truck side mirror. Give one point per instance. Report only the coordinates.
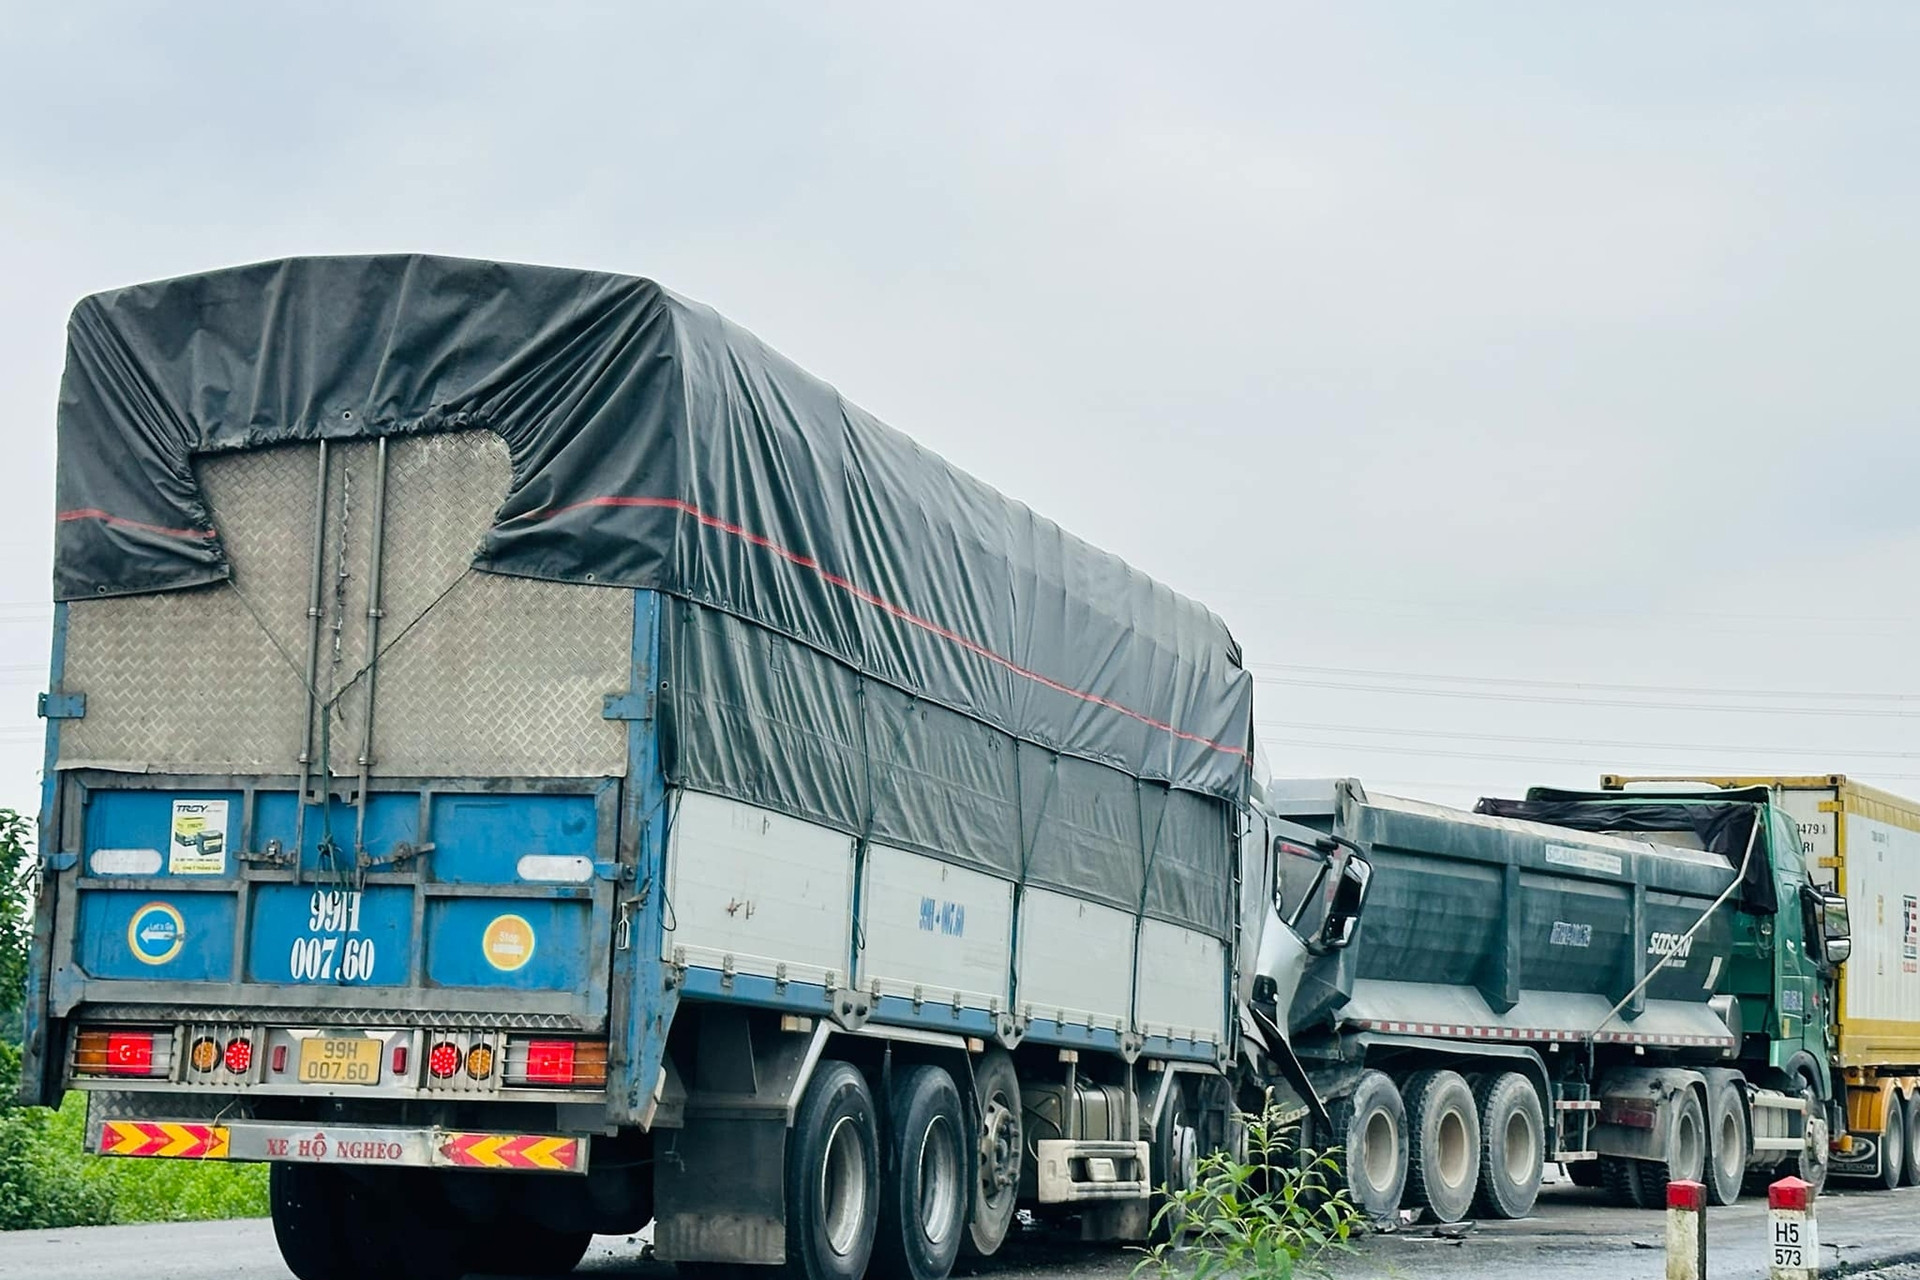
(1836, 930)
(1349, 896)
(1829, 935)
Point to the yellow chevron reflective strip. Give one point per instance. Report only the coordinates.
(512, 1151)
(163, 1139)
(551, 1153)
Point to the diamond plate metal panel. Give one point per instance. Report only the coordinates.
(506, 679)
(478, 674)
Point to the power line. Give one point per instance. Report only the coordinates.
(1594, 685)
(1536, 699)
(1500, 757)
(1609, 743)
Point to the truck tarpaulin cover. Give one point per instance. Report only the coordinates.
(1723, 824)
(654, 445)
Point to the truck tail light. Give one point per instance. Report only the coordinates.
(556, 1062)
(443, 1060)
(103, 1052)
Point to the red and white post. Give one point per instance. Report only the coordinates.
(1686, 1231)
(1791, 1235)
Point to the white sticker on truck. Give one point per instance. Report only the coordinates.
(1585, 859)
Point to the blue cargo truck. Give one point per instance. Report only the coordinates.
(526, 760)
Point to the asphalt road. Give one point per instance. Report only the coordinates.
(1573, 1235)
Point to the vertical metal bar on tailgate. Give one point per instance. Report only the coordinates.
(374, 614)
(313, 649)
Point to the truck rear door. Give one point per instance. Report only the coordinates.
(346, 823)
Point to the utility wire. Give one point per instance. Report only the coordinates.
(1589, 685)
(1605, 743)
(1477, 695)
(1383, 748)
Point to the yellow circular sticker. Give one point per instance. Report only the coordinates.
(156, 933)
(508, 942)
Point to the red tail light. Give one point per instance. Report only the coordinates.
(239, 1056)
(122, 1053)
(443, 1060)
(556, 1062)
(130, 1052)
(550, 1061)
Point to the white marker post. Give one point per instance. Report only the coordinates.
(1790, 1231)
(1686, 1231)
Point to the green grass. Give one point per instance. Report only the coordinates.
(46, 1177)
(48, 1180)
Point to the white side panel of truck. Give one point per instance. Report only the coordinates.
(934, 931)
(1183, 983)
(758, 886)
(1076, 960)
(1883, 899)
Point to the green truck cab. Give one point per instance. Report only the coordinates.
(1777, 983)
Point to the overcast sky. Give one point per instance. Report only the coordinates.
(1439, 348)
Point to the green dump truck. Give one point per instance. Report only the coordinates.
(1862, 843)
(1541, 981)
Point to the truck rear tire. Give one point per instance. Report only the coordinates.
(1584, 1173)
(996, 1184)
(1443, 1163)
(333, 1223)
(1727, 1145)
(1912, 1113)
(1893, 1144)
(1625, 1187)
(923, 1192)
(307, 1221)
(1512, 1145)
(521, 1248)
(833, 1177)
(1686, 1152)
(1370, 1128)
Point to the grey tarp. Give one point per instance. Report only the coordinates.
(654, 445)
(750, 714)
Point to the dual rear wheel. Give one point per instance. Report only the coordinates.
(336, 1223)
(902, 1203)
(1442, 1144)
(1912, 1111)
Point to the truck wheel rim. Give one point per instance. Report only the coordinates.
(1519, 1147)
(843, 1186)
(1687, 1153)
(1382, 1154)
(1453, 1149)
(939, 1180)
(999, 1149)
(1732, 1159)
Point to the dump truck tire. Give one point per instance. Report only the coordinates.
(1370, 1128)
(1727, 1145)
(1443, 1159)
(1512, 1145)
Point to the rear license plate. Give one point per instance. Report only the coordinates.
(339, 1060)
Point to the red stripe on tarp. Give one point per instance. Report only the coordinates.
(94, 513)
(887, 606)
